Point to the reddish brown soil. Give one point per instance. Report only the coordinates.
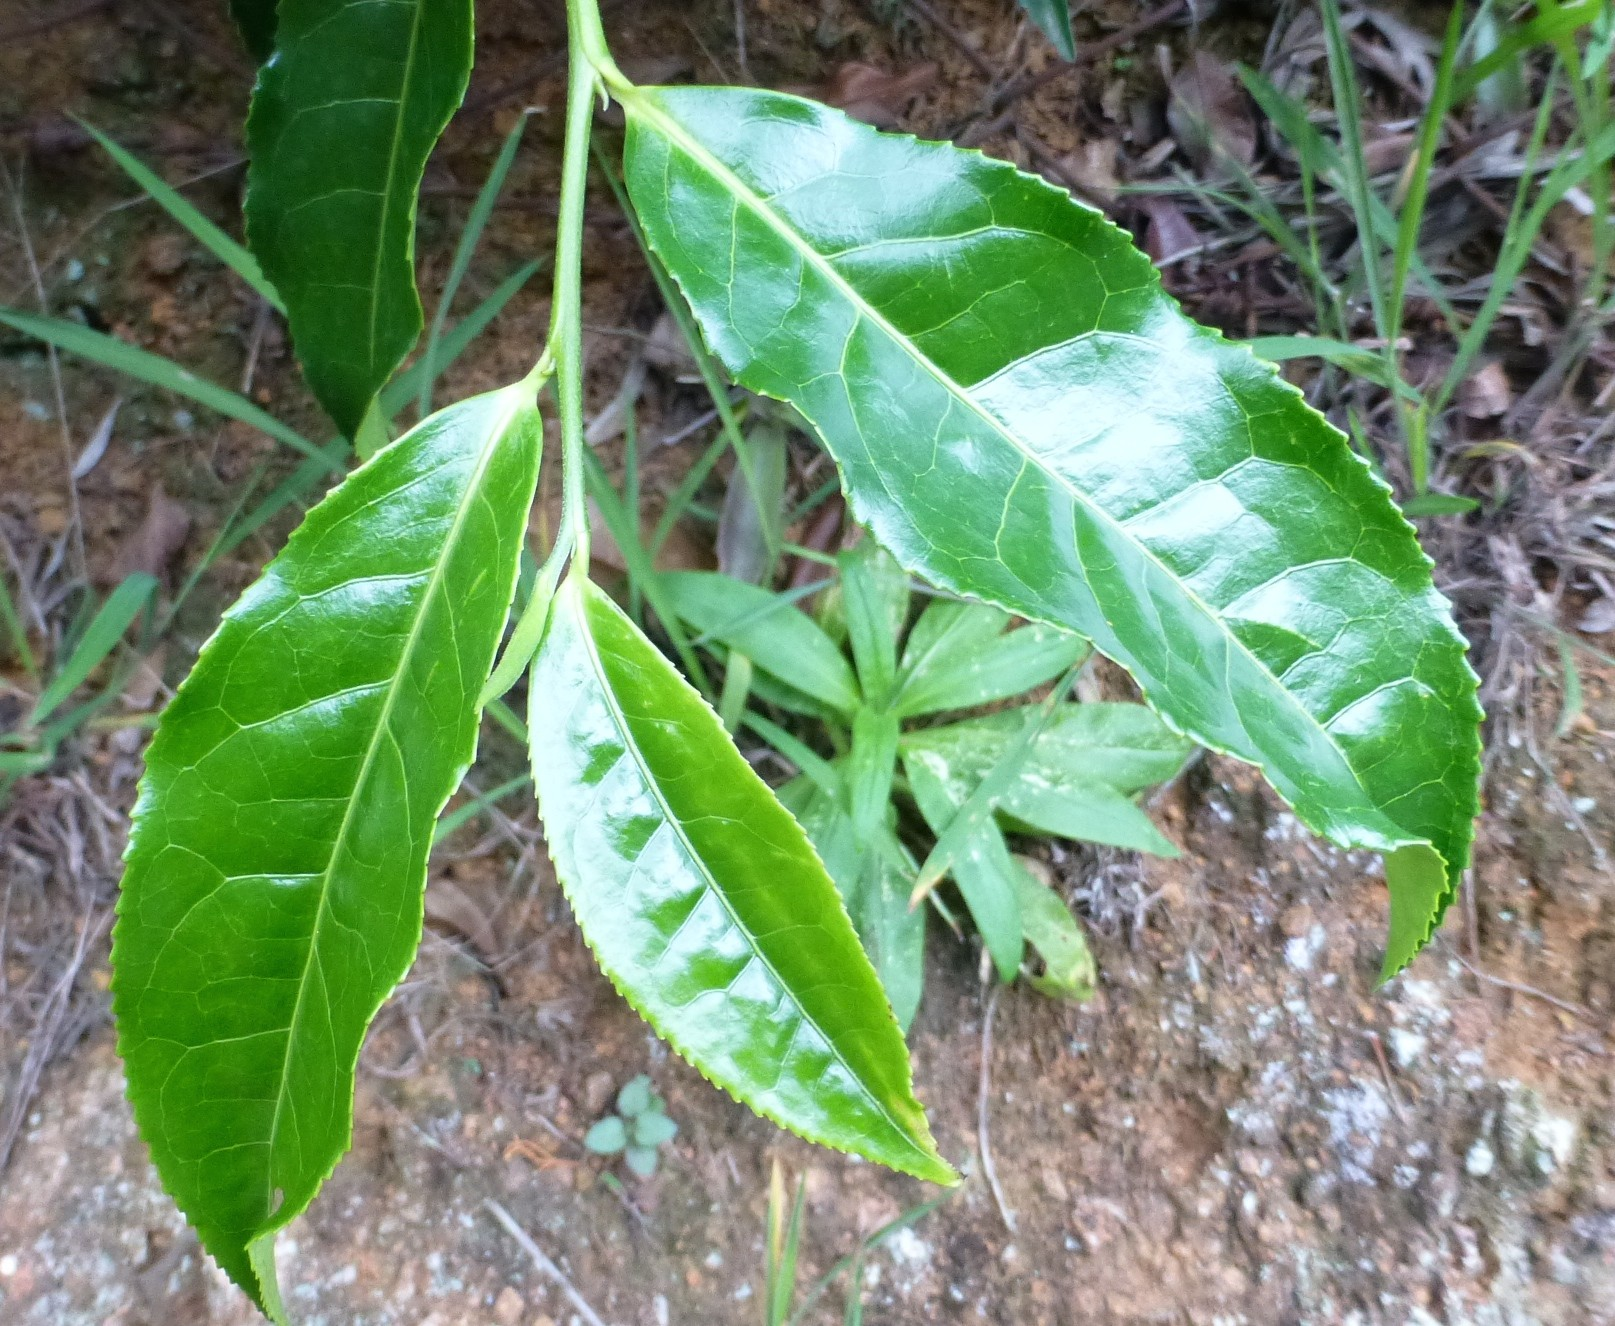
(1239, 1129)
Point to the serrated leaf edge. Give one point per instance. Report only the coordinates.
(643, 101)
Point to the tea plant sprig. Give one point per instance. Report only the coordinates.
(1018, 413)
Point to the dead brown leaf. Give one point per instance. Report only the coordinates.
(874, 95)
(1210, 114)
(1170, 235)
(447, 904)
(1485, 394)
(155, 542)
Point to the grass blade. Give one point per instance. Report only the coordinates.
(470, 237)
(100, 638)
(226, 250)
(155, 371)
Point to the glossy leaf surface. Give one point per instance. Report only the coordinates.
(342, 122)
(1054, 18)
(703, 899)
(1022, 415)
(273, 890)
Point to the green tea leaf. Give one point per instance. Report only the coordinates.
(702, 898)
(959, 656)
(273, 889)
(769, 629)
(342, 122)
(1054, 18)
(1021, 414)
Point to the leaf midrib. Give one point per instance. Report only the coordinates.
(383, 722)
(416, 22)
(631, 745)
(645, 102)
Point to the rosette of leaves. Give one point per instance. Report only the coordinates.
(637, 1131)
(1018, 413)
(877, 686)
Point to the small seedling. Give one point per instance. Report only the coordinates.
(637, 1131)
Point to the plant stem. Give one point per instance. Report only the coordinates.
(566, 313)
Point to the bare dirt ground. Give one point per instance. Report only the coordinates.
(1240, 1129)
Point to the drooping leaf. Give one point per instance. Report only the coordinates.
(274, 881)
(1054, 18)
(961, 655)
(1068, 966)
(769, 629)
(342, 122)
(702, 898)
(1022, 415)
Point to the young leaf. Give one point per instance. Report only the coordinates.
(654, 1129)
(769, 629)
(273, 885)
(607, 1137)
(1068, 965)
(959, 656)
(983, 871)
(342, 121)
(702, 898)
(1021, 414)
(1123, 746)
(874, 593)
(634, 1098)
(1054, 18)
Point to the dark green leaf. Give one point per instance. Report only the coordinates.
(255, 20)
(959, 657)
(342, 122)
(1068, 966)
(702, 898)
(274, 879)
(769, 629)
(1021, 414)
(982, 869)
(1054, 18)
(607, 1137)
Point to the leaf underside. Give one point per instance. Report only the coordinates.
(702, 898)
(1021, 414)
(342, 122)
(273, 886)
